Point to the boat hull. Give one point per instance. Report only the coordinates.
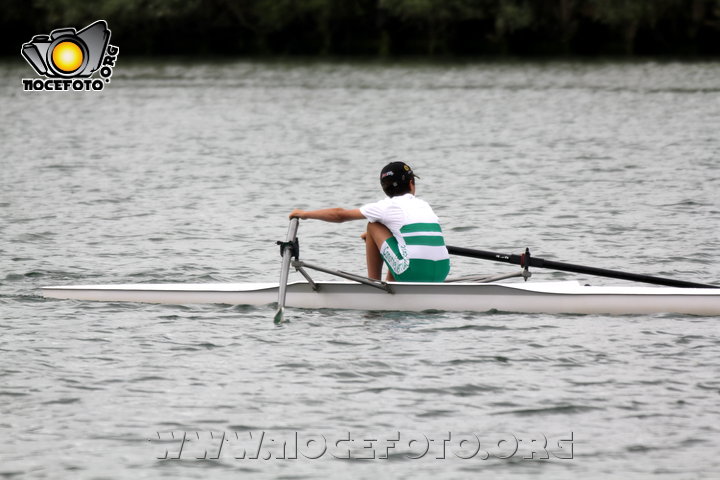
(552, 297)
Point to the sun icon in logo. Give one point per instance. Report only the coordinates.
(67, 56)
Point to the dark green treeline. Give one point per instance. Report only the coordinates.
(380, 27)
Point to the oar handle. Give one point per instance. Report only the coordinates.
(522, 260)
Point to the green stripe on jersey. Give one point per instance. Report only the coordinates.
(425, 240)
(421, 227)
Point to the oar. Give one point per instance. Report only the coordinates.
(288, 250)
(526, 260)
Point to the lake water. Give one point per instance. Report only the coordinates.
(185, 172)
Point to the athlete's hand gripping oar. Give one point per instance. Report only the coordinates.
(288, 249)
(526, 260)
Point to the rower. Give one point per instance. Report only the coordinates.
(402, 231)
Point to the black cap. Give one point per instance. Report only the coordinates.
(395, 177)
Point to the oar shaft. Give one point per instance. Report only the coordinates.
(569, 267)
(285, 268)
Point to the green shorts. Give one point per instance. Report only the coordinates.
(412, 269)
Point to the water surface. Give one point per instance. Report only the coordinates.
(182, 172)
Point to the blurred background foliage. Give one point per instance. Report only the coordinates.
(380, 27)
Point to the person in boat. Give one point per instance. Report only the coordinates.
(402, 230)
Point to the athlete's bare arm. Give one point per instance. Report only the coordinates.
(336, 215)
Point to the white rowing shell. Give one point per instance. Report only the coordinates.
(551, 297)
